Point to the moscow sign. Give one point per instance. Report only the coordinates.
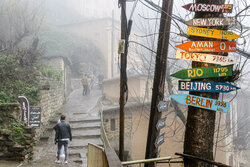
(206, 86)
(226, 21)
(208, 46)
(218, 8)
(212, 33)
(202, 102)
(205, 58)
(205, 72)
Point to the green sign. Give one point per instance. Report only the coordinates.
(206, 72)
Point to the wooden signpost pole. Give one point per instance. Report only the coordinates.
(199, 141)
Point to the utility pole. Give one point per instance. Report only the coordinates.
(199, 135)
(159, 78)
(112, 45)
(122, 78)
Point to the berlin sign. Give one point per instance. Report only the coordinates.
(206, 86)
(205, 58)
(202, 102)
(205, 72)
(226, 21)
(212, 33)
(199, 7)
(208, 46)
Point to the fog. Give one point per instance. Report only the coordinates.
(86, 34)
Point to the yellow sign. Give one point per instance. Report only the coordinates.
(212, 33)
(121, 46)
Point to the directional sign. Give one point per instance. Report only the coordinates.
(159, 140)
(206, 86)
(206, 72)
(35, 116)
(199, 7)
(161, 123)
(208, 46)
(205, 58)
(25, 107)
(212, 33)
(163, 106)
(226, 21)
(201, 102)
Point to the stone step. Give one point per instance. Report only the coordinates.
(77, 160)
(83, 155)
(81, 143)
(86, 119)
(86, 125)
(87, 132)
(86, 137)
(78, 151)
(82, 126)
(85, 162)
(44, 138)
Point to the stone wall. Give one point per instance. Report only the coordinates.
(53, 95)
(52, 98)
(10, 147)
(55, 91)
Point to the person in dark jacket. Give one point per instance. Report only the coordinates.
(62, 137)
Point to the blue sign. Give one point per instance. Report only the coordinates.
(202, 102)
(206, 86)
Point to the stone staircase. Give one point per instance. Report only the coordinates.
(84, 130)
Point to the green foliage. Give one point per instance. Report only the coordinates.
(52, 73)
(17, 80)
(17, 131)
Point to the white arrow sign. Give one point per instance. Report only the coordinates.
(159, 140)
(161, 123)
(163, 106)
(205, 58)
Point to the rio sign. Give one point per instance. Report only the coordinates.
(205, 72)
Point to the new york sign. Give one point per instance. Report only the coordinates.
(218, 21)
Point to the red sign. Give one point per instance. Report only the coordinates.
(25, 107)
(200, 7)
(208, 46)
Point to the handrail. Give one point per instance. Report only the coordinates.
(155, 160)
(103, 132)
(111, 156)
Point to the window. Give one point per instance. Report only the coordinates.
(112, 125)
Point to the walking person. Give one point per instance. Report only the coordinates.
(85, 84)
(62, 155)
(62, 138)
